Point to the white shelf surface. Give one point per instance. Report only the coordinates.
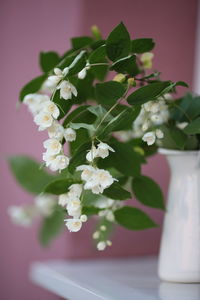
(109, 279)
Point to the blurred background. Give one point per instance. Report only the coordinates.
(28, 27)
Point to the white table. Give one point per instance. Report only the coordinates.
(109, 279)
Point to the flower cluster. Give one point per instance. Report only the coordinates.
(45, 114)
(152, 115)
(72, 202)
(24, 215)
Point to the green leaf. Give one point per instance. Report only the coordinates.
(90, 210)
(99, 111)
(59, 186)
(133, 218)
(174, 138)
(51, 226)
(124, 159)
(84, 87)
(149, 92)
(109, 92)
(79, 156)
(63, 105)
(32, 86)
(81, 42)
(148, 192)
(99, 56)
(82, 135)
(77, 64)
(76, 114)
(142, 45)
(193, 127)
(48, 60)
(76, 126)
(126, 65)
(118, 43)
(29, 174)
(115, 191)
(131, 113)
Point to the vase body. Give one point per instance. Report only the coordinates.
(179, 259)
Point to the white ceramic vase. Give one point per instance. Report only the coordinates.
(179, 259)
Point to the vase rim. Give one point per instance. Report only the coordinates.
(178, 152)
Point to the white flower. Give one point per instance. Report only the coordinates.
(69, 134)
(83, 218)
(51, 108)
(181, 125)
(45, 204)
(22, 215)
(74, 208)
(100, 180)
(92, 154)
(96, 235)
(146, 59)
(76, 189)
(61, 162)
(67, 90)
(149, 137)
(73, 225)
(159, 134)
(87, 173)
(101, 246)
(152, 106)
(35, 102)
(53, 146)
(103, 150)
(63, 199)
(56, 131)
(104, 202)
(43, 120)
(82, 74)
(48, 158)
(108, 214)
(145, 126)
(53, 80)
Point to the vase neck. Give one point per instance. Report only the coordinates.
(184, 163)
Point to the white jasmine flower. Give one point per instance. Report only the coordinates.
(69, 134)
(181, 125)
(73, 225)
(104, 202)
(67, 89)
(103, 150)
(22, 215)
(51, 108)
(63, 199)
(43, 120)
(83, 218)
(48, 158)
(35, 102)
(159, 134)
(100, 180)
(61, 162)
(101, 246)
(74, 208)
(56, 131)
(96, 235)
(149, 137)
(45, 204)
(53, 146)
(152, 106)
(108, 214)
(146, 59)
(87, 173)
(92, 154)
(76, 189)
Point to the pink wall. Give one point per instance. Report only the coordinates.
(30, 26)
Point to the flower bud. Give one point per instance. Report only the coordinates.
(119, 78)
(131, 81)
(96, 32)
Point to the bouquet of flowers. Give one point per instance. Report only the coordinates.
(104, 112)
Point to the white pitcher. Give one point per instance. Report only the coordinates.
(179, 259)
